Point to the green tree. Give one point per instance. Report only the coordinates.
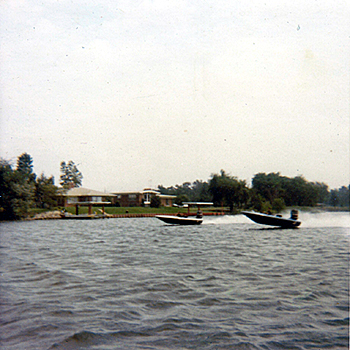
(217, 188)
(258, 203)
(344, 196)
(25, 167)
(323, 192)
(45, 192)
(17, 193)
(228, 190)
(269, 186)
(334, 200)
(180, 198)
(340, 197)
(300, 192)
(70, 175)
(198, 191)
(278, 204)
(6, 191)
(293, 191)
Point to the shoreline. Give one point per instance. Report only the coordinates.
(57, 215)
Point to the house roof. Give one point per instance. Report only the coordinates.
(146, 190)
(85, 192)
(169, 196)
(149, 191)
(124, 193)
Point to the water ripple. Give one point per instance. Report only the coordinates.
(138, 284)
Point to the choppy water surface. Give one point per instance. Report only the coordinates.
(141, 284)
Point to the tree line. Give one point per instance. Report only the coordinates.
(268, 192)
(21, 190)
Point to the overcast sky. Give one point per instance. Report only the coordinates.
(147, 93)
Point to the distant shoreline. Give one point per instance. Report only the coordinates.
(142, 213)
(57, 215)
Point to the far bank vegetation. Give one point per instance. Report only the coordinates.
(24, 193)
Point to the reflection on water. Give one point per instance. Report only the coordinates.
(141, 284)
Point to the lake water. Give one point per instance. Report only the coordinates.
(140, 284)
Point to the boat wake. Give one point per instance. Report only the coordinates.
(325, 219)
(225, 220)
(308, 219)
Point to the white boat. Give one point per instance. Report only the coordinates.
(274, 220)
(182, 219)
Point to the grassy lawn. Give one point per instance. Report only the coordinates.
(138, 210)
(122, 210)
(166, 210)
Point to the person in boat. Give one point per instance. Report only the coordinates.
(294, 214)
(199, 214)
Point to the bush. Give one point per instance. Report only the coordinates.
(155, 202)
(278, 204)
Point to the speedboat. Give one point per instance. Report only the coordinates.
(182, 219)
(274, 220)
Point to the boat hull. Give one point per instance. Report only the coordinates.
(271, 220)
(178, 220)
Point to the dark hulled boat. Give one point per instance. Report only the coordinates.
(179, 220)
(274, 220)
(188, 219)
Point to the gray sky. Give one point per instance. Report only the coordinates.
(143, 93)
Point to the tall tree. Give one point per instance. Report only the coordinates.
(268, 186)
(71, 176)
(228, 190)
(6, 191)
(201, 191)
(344, 196)
(17, 193)
(25, 167)
(294, 191)
(340, 197)
(198, 191)
(217, 187)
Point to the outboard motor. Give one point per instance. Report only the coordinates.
(294, 214)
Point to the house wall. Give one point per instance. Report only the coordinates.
(136, 199)
(129, 199)
(63, 201)
(166, 202)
